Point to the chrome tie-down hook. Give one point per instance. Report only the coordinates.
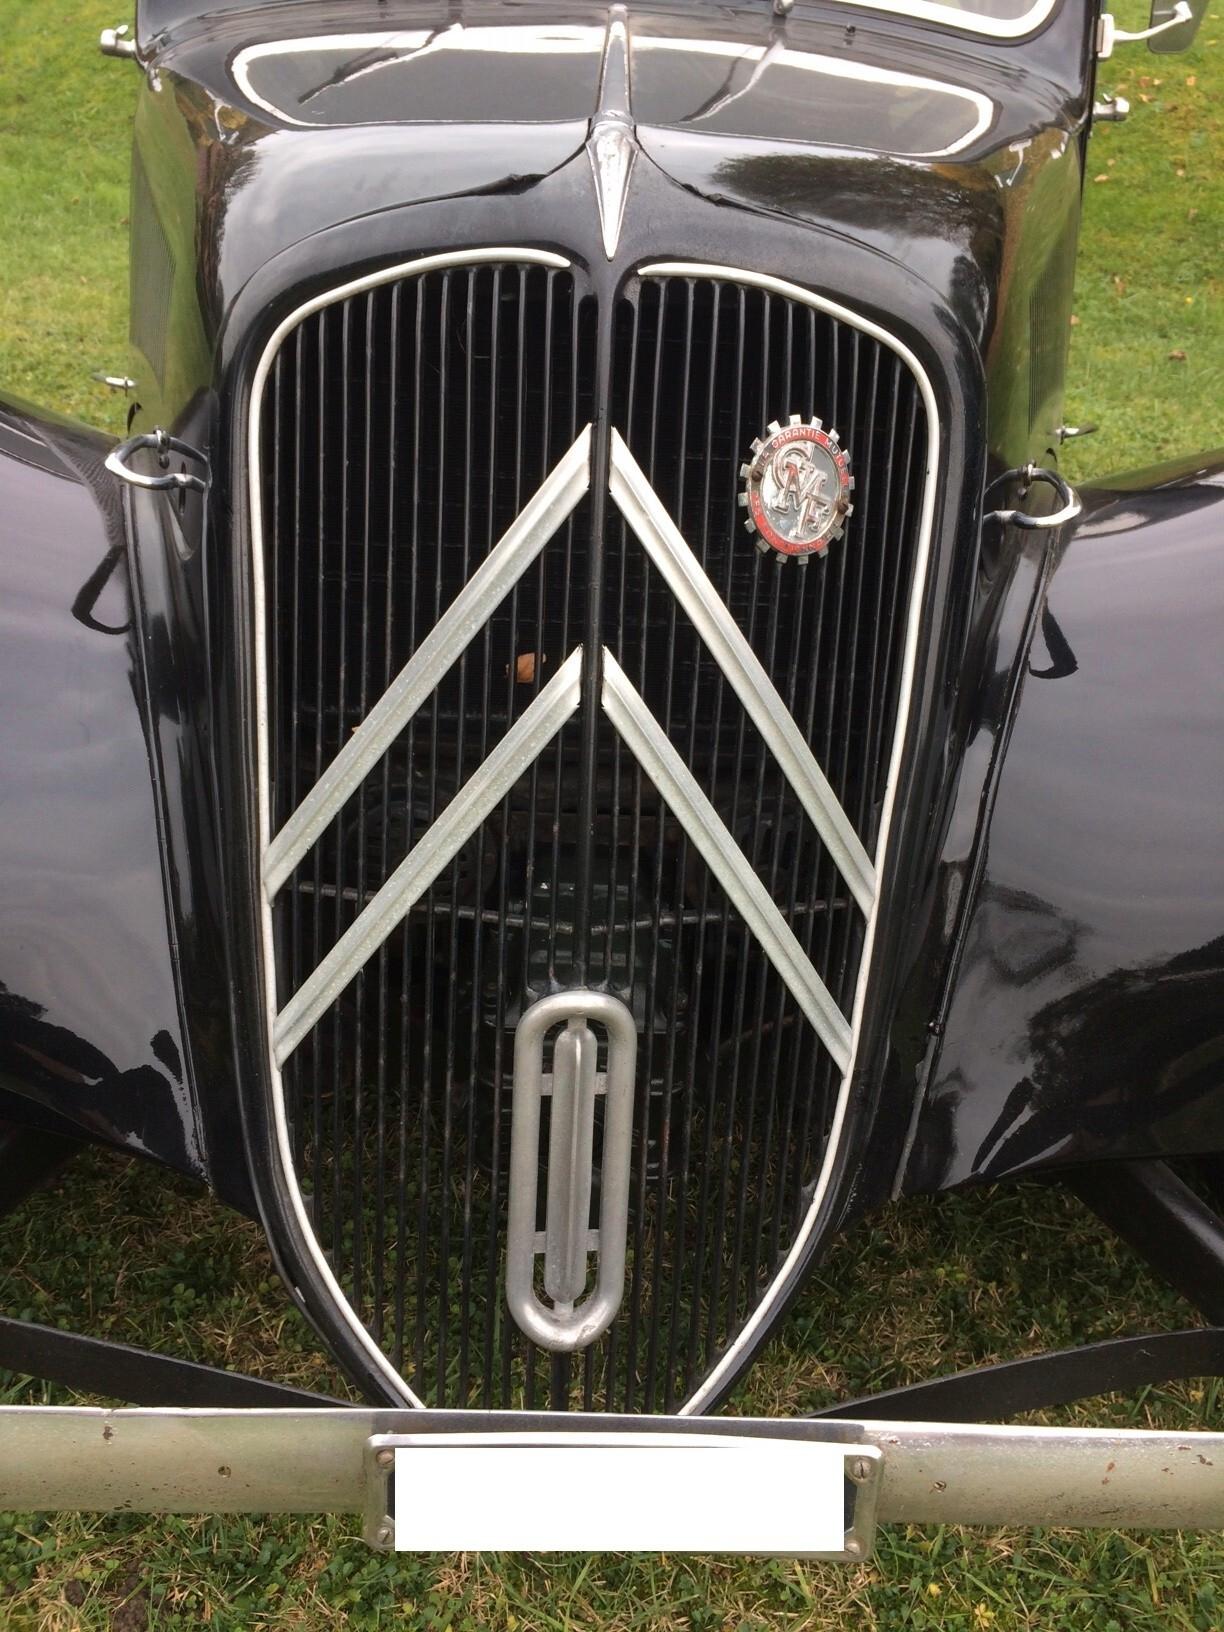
(117, 462)
(1026, 475)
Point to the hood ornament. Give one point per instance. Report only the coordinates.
(797, 487)
(612, 146)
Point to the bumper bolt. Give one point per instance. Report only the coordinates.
(860, 1470)
(854, 1547)
(385, 1459)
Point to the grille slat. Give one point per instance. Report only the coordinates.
(431, 408)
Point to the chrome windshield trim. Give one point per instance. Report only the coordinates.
(757, 57)
(459, 625)
(687, 580)
(522, 743)
(972, 22)
(391, 48)
(680, 792)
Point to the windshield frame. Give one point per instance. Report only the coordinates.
(931, 11)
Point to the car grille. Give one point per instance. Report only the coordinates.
(402, 431)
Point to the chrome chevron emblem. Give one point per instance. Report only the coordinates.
(537, 727)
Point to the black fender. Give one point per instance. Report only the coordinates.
(1084, 1011)
(92, 1041)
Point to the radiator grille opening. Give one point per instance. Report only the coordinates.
(403, 429)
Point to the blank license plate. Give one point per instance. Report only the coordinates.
(626, 1492)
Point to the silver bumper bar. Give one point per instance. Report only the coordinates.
(320, 1461)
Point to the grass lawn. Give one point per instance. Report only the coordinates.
(121, 1248)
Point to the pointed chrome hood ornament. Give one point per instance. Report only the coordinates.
(612, 146)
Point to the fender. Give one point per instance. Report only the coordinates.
(1084, 1013)
(91, 1039)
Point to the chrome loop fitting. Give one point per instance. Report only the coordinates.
(570, 1321)
(117, 462)
(1026, 475)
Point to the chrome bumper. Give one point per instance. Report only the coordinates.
(327, 1461)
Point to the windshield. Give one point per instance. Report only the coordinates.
(1004, 18)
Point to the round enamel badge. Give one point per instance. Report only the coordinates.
(797, 488)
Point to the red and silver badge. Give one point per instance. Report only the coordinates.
(797, 488)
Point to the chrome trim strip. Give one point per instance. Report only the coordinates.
(612, 146)
(526, 738)
(763, 1312)
(680, 792)
(455, 630)
(685, 577)
(282, 1148)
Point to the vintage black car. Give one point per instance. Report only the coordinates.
(582, 743)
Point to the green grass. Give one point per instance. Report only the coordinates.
(1147, 344)
(65, 132)
(117, 1247)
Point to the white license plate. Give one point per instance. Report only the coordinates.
(630, 1492)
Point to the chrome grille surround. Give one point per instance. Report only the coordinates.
(627, 711)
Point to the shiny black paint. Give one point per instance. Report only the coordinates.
(948, 253)
(967, 256)
(1086, 1011)
(991, 227)
(110, 1020)
(91, 1037)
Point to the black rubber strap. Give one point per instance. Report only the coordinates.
(94, 1365)
(991, 1393)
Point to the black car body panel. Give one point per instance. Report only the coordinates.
(92, 1034)
(1085, 1011)
(1045, 989)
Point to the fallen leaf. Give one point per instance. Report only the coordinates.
(1100, 178)
(1177, 356)
(1191, 79)
(1074, 321)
